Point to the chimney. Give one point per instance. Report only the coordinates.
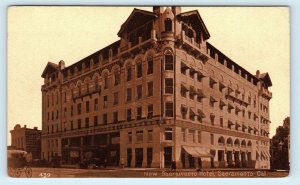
(158, 9)
(257, 73)
(61, 64)
(176, 10)
(35, 128)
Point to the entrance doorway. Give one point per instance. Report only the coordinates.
(149, 157)
(138, 157)
(129, 157)
(168, 156)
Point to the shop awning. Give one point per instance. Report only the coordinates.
(197, 151)
(268, 153)
(264, 154)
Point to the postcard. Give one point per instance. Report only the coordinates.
(188, 92)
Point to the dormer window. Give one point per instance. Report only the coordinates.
(168, 25)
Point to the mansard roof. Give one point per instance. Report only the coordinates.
(136, 18)
(50, 68)
(194, 16)
(266, 79)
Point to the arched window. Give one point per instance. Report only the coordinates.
(168, 25)
(249, 144)
(237, 143)
(79, 89)
(169, 61)
(221, 141)
(229, 141)
(105, 78)
(243, 143)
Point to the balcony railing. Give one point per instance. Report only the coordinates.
(87, 93)
(266, 93)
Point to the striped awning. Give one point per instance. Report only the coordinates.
(197, 151)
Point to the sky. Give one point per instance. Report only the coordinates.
(257, 38)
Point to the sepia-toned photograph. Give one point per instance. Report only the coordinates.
(162, 91)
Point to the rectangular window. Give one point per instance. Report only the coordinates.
(221, 122)
(96, 104)
(199, 136)
(139, 91)
(95, 120)
(128, 73)
(72, 125)
(65, 97)
(139, 70)
(104, 119)
(169, 62)
(212, 139)
(128, 115)
(56, 114)
(128, 96)
(150, 111)
(211, 83)
(105, 102)
(150, 89)
(139, 136)
(117, 79)
(150, 135)
(65, 112)
(169, 109)
(150, 66)
(105, 82)
(139, 113)
(87, 106)
(115, 117)
(183, 135)
(79, 123)
(78, 108)
(212, 119)
(72, 110)
(129, 137)
(168, 134)
(169, 85)
(116, 98)
(87, 122)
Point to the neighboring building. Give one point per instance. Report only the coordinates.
(27, 139)
(280, 146)
(160, 93)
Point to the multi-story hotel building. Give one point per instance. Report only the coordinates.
(161, 93)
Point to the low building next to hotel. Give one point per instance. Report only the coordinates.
(27, 139)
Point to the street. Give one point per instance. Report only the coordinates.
(150, 173)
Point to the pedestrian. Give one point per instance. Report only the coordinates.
(122, 162)
(105, 163)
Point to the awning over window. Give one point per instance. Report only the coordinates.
(184, 87)
(193, 111)
(201, 113)
(197, 151)
(200, 93)
(268, 153)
